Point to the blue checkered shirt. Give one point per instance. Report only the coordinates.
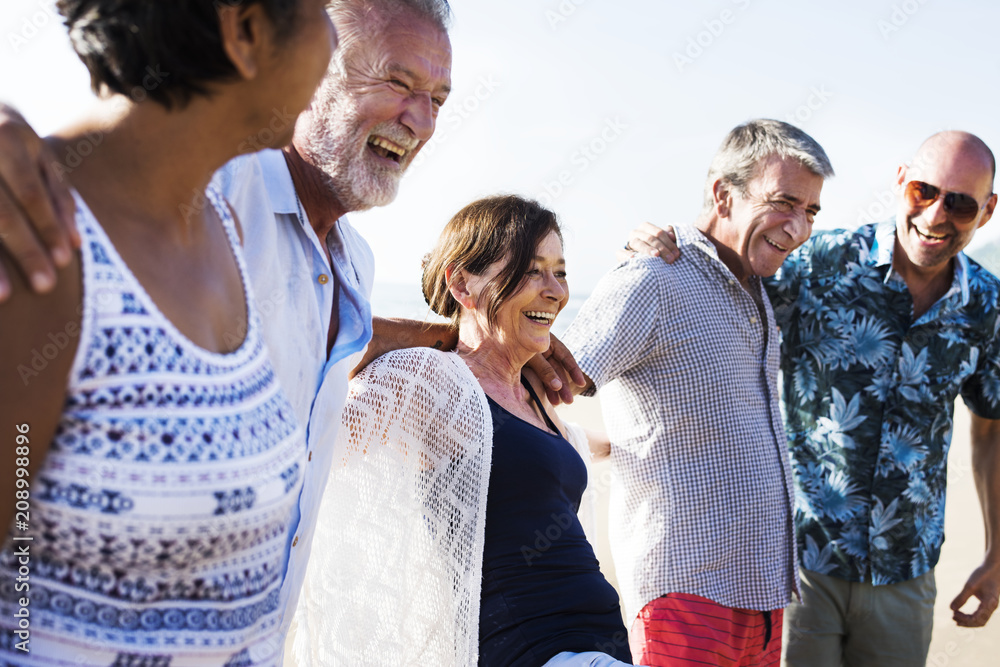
(686, 361)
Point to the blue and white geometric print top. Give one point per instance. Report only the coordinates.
(163, 513)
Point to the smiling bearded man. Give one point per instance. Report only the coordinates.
(376, 108)
(686, 358)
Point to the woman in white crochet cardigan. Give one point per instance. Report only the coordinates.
(449, 532)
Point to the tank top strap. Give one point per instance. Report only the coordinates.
(116, 305)
(538, 402)
(221, 206)
(227, 216)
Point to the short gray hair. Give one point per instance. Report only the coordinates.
(748, 145)
(348, 15)
(352, 17)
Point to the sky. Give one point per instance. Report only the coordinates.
(609, 112)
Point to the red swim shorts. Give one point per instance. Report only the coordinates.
(682, 629)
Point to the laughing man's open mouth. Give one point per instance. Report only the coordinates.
(386, 149)
(776, 245)
(929, 235)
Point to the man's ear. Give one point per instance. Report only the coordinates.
(722, 196)
(246, 33)
(991, 205)
(900, 179)
(458, 285)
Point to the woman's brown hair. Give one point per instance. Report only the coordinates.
(503, 227)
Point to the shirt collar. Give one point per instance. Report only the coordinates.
(960, 283)
(885, 241)
(881, 255)
(281, 191)
(278, 182)
(689, 235)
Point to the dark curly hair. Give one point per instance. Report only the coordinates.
(166, 50)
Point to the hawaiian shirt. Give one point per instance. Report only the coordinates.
(868, 397)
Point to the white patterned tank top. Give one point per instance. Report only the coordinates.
(162, 516)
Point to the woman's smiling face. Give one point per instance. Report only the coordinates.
(525, 318)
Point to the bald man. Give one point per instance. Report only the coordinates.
(882, 329)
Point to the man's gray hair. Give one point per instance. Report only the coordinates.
(350, 15)
(748, 145)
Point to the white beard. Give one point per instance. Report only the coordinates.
(337, 145)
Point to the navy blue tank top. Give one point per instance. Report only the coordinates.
(543, 591)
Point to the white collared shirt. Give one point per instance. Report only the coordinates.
(882, 249)
(294, 291)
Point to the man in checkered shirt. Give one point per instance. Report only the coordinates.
(686, 358)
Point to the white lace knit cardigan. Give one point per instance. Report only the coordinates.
(396, 565)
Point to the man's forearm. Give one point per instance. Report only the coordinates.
(984, 582)
(391, 333)
(986, 470)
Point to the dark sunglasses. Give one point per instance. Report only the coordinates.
(961, 208)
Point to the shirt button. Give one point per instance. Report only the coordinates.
(753, 320)
(295, 541)
(323, 279)
(732, 282)
(310, 456)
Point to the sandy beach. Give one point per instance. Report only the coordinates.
(951, 646)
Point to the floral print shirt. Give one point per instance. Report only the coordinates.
(868, 399)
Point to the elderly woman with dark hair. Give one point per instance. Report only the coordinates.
(160, 462)
(480, 543)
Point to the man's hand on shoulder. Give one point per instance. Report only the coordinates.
(37, 228)
(648, 239)
(559, 372)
